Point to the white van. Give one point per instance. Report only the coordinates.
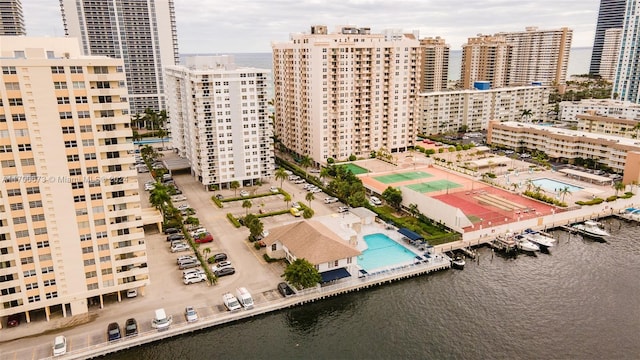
(244, 297)
(161, 321)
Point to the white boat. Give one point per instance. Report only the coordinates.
(526, 245)
(539, 238)
(592, 229)
(458, 262)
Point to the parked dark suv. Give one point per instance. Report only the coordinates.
(217, 258)
(113, 331)
(285, 290)
(171, 230)
(176, 236)
(225, 271)
(131, 327)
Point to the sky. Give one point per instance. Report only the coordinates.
(242, 26)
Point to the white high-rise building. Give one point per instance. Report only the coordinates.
(444, 112)
(610, 52)
(141, 32)
(346, 93)
(220, 121)
(626, 85)
(70, 228)
(11, 18)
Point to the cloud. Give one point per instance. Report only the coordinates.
(212, 26)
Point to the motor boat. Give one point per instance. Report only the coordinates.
(539, 238)
(526, 245)
(592, 229)
(458, 262)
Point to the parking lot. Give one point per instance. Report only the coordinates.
(167, 289)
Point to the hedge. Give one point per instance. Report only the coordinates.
(233, 220)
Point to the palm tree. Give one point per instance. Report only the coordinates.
(287, 199)
(281, 175)
(234, 185)
(305, 162)
(247, 205)
(309, 197)
(160, 198)
(514, 186)
(413, 209)
(526, 113)
(618, 186)
(205, 252)
(564, 192)
(529, 184)
(324, 172)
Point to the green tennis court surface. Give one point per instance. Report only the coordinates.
(355, 169)
(394, 178)
(434, 186)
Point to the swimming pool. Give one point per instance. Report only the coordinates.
(552, 186)
(383, 252)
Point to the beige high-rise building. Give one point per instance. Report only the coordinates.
(220, 121)
(11, 18)
(485, 58)
(538, 56)
(346, 93)
(610, 50)
(434, 64)
(70, 228)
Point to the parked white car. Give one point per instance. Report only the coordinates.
(330, 200)
(177, 198)
(197, 232)
(179, 247)
(274, 189)
(221, 265)
(194, 278)
(375, 201)
(244, 193)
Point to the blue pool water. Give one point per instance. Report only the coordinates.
(151, 141)
(550, 185)
(383, 252)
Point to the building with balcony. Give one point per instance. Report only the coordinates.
(564, 145)
(609, 126)
(11, 18)
(346, 93)
(142, 33)
(485, 58)
(609, 53)
(610, 16)
(601, 107)
(539, 56)
(70, 228)
(626, 85)
(220, 120)
(434, 64)
(448, 111)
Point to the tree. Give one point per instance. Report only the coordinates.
(247, 204)
(618, 186)
(234, 185)
(413, 209)
(254, 225)
(287, 199)
(205, 252)
(526, 113)
(309, 197)
(393, 196)
(307, 213)
(281, 174)
(564, 192)
(302, 274)
(305, 162)
(514, 186)
(160, 198)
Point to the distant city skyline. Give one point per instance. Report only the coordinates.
(251, 26)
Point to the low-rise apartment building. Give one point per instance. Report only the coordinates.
(562, 144)
(608, 126)
(601, 107)
(447, 111)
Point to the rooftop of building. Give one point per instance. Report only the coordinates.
(567, 132)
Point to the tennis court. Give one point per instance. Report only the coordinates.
(355, 169)
(431, 186)
(394, 178)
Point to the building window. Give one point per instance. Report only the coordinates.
(59, 85)
(83, 115)
(75, 69)
(81, 100)
(63, 100)
(37, 217)
(90, 274)
(100, 70)
(19, 117)
(34, 298)
(50, 282)
(9, 70)
(35, 204)
(57, 69)
(78, 84)
(65, 115)
(12, 86)
(33, 190)
(52, 295)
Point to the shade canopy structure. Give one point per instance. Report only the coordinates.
(335, 274)
(410, 234)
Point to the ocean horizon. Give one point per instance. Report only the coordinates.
(579, 60)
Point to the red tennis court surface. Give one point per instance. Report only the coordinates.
(484, 205)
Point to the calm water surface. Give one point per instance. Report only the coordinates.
(580, 302)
